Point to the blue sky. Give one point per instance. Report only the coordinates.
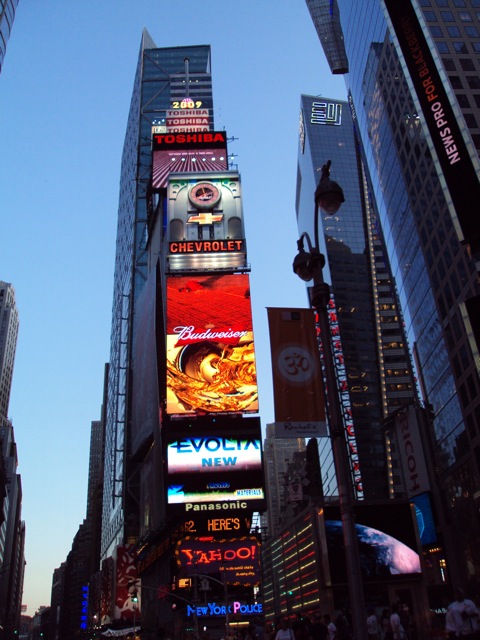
(65, 91)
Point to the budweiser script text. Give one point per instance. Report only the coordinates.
(188, 335)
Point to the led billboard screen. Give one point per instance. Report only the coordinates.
(187, 152)
(237, 560)
(387, 542)
(210, 349)
(215, 466)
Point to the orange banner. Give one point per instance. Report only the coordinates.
(297, 377)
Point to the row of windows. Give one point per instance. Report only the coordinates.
(448, 16)
(459, 47)
(446, 3)
(454, 32)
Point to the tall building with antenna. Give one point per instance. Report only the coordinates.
(162, 78)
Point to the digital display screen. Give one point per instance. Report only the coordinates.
(184, 152)
(210, 349)
(425, 520)
(211, 464)
(386, 539)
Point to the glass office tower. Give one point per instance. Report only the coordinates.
(7, 16)
(375, 373)
(163, 76)
(436, 277)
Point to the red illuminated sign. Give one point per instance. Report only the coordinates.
(207, 246)
(210, 349)
(197, 140)
(238, 559)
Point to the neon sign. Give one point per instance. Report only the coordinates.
(214, 609)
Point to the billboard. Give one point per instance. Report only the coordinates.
(210, 348)
(410, 450)
(205, 222)
(297, 377)
(237, 560)
(446, 134)
(387, 542)
(215, 466)
(126, 574)
(186, 152)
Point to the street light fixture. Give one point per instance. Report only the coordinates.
(309, 266)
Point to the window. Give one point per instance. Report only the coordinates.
(470, 120)
(430, 16)
(459, 3)
(447, 16)
(465, 16)
(442, 47)
(454, 32)
(476, 46)
(472, 32)
(473, 81)
(463, 101)
(449, 64)
(442, 3)
(456, 82)
(467, 64)
(436, 31)
(460, 47)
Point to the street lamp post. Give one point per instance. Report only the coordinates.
(309, 266)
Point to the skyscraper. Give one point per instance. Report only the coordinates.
(7, 15)
(374, 370)
(8, 343)
(428, 233)
(163, 76)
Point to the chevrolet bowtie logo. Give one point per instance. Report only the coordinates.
(206, 218)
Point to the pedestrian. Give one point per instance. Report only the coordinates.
(450, 623)
(332, 629)
(318, 629)
(465, 616)
(343, 631)
(285, 632)
(397, 627)
(386, 626)
(373, 628)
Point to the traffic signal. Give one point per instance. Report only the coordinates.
(134, 596)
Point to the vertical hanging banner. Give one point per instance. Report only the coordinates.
(297, 377)
(457, 166)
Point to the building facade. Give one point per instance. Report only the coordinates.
(7, 16)
(434, 260)
(162, 77)
(375, 375)
(9, 324)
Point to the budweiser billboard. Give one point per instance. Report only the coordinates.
(297, 377)
(210, 349)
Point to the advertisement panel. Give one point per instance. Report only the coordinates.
(387, 542)
(210, 348)
(187, 152)
(446, 134)
(215, 467)
(297, 377)
(187, 120)
(410, 450)
(237, 560)
(126, 574)
(205, 222)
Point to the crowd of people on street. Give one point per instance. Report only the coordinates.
(462, 620)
